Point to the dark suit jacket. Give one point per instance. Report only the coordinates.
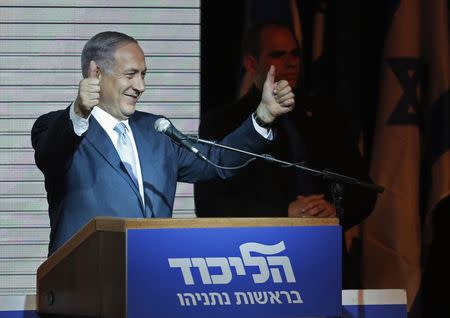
(84, 176)
(265, 190)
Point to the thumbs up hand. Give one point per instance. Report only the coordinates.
(277, 98)
(88, 92)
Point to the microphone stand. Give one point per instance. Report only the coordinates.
(337, 180)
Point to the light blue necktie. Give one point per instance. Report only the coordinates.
(125, 150)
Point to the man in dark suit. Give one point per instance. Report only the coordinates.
(100, 156)
(313, 133)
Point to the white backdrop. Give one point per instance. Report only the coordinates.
(40, 47)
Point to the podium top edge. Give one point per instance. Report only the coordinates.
(123, 224)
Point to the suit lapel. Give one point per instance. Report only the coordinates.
(100, 140)
(145, 151)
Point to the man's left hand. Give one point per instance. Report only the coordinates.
(277, 98)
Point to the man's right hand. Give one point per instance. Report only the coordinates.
(88, 92)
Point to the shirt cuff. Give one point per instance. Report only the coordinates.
(80, 124)
(265, 132)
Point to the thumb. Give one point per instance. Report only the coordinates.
(93, 70)
(270, 78)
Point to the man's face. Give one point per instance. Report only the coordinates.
(120, 90)
(279, 48)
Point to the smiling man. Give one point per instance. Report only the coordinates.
(100, 156)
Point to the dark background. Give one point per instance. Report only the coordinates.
(349, 72)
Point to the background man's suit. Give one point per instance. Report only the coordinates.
(264, 189)
(85, 177)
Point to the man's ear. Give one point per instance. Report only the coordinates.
(250, 63)
(94, 70)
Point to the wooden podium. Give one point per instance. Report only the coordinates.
(88, 275)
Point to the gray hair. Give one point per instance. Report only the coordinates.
(101, 48)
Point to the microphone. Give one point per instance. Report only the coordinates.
(163, 125)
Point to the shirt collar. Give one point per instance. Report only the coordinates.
(106, 120)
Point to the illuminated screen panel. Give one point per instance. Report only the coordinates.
(40, 47)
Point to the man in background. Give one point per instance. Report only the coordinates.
(313, 134)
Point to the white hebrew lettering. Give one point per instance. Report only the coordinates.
(200, 263)
(261, 262)
(221, 262)
(250, 298)
(299, 299)
(185, 265)
(260, 297)
(277, 267)
(236, 262)
(189, 298)
(287, 268)
(205, 296)
(180, 297)
(227, 299)
(213, 298)
(274, 297)
(288, 296)
(238, 298)
(264, 297)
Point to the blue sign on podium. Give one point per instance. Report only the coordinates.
(263, 272)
